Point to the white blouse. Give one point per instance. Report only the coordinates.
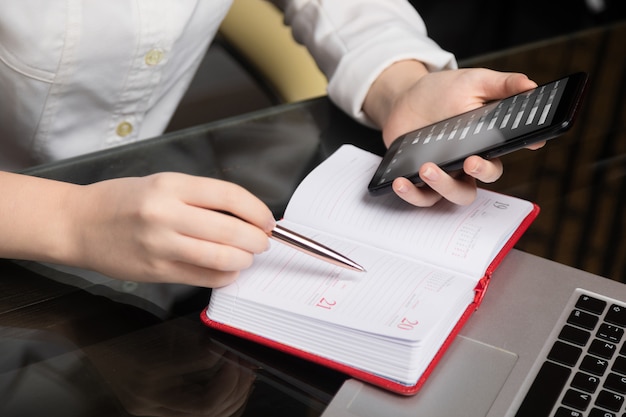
(78, 76)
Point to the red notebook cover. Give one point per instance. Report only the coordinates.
(374, 379)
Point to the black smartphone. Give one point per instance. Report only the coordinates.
(495, 129)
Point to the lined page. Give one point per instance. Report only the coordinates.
(334, 198)
(395, 297)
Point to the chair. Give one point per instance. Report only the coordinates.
(254, 33)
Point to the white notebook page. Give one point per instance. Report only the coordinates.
(395, 297)
(464, 238)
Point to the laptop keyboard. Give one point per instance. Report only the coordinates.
(584, 371)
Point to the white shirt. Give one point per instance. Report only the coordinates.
(78, 76)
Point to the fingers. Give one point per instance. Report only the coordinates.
(212, 194)
(203, 244)
(459, 189)
(193, 275)
(536, 146)
(211, 226)
(483, 170)
(438, 185)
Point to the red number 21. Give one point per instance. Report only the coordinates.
(324, 303)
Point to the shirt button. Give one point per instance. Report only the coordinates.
(124, 129)
(153, 57)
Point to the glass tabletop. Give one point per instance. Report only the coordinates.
(77, 343)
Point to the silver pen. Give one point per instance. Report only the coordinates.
(313, 248)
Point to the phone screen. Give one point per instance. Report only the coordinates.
(496, 128)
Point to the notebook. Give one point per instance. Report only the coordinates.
(548, 340)
(427, 271)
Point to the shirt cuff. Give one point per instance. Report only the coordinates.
(360, 67)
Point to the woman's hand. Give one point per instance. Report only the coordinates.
(167, 227)
(406, 96)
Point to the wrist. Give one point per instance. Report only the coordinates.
(36, 218)
(57, 243)
(71, 226)
(390, 85)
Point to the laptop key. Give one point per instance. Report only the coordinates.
(610, 332)
(590, 304)
(594, 365)
(584, 382)
(576, 399)
(609, 400)
(574, 335)
(583, 319)
(619, 365)
(615, 383)
(564, 353)
(596, 412)
(564, 412)
(602, 349)
(544, 391)
(616, 315)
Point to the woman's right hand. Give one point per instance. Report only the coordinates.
(167, 227)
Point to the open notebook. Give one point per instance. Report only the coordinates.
(427, 271)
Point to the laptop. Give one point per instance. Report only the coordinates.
(537, 318)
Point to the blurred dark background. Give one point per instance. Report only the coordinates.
(474, 27)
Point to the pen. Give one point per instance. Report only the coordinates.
(313, 248)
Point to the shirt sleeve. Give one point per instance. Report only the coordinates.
(354, 41)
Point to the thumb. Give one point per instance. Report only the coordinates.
(505, 85)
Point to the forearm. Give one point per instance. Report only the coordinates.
(34, 218)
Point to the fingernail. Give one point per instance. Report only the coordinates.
(401, 189)
(475, 168)
(429, 174)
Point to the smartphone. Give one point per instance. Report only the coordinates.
(495, 129)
